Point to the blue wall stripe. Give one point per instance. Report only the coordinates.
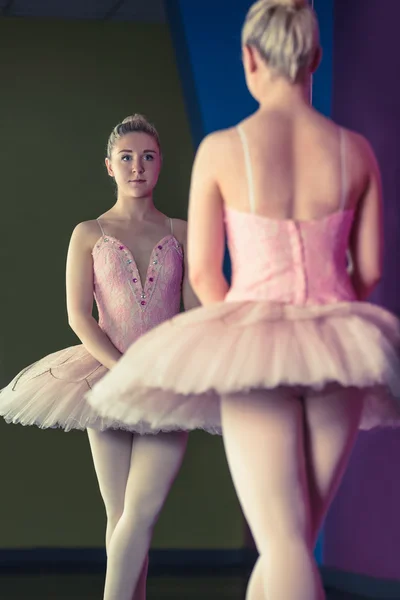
(323, 78)
(206, 36)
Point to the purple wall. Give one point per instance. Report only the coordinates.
(366, 97)
(362, 532)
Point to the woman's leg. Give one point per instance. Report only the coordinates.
(111, 451)
(331, 423)
(155, 462)
(263, 436)
(332, 420)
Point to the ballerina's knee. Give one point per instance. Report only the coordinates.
(142, 513)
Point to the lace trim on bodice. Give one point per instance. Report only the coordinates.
(143, 292)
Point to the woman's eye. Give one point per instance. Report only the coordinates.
(148, 157)
(126, 157)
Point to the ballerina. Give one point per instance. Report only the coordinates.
(131, 261)
(292, 352)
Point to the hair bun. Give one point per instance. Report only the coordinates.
(286, 35)
(136, 118)
(291, 3)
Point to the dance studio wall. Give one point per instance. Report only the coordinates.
(362, 532)
(64, 86)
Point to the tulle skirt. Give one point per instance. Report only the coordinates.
(172, 378)
(50, 393)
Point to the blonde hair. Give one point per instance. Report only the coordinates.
(134, 123)
(285, 33)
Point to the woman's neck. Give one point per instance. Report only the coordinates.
(281, 94)
(131, 208)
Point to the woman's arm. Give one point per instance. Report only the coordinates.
(189, 298)
(206, 231)
(79, 278)
(366, 243)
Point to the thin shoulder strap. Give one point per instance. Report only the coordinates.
(103, 233)
(171, 224)
(343, 170)
(249, 173)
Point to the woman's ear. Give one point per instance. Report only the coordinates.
(316, 61)
(249, 59)
(108, 167)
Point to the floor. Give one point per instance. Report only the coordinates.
(89, 587)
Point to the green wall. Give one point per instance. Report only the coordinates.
(64, 85)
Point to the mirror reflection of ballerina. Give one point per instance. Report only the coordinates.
(131, 261)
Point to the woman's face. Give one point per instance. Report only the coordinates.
(135, 164)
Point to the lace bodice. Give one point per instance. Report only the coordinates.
(127, 309)
(296, 262)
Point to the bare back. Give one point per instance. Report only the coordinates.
(288, 164)
(302, 165)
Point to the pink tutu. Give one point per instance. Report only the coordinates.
(172, 377)
(50, 393)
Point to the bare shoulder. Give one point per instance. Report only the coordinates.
(86, 234)
(213, 142)
(361, 148)
(363, 166)
(180, 230)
